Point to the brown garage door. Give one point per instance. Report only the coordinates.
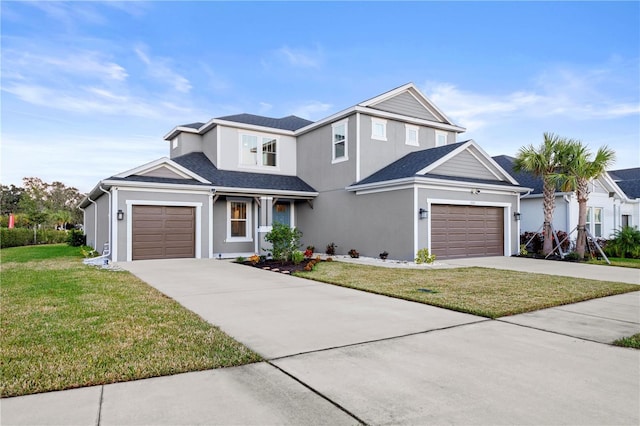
(466, 231)
(163, 232)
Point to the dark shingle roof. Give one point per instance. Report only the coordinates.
(631, 188)
(525, 179)
(198, 163)
(285, 123)
(410, 164)
(625, 174)
(195, 125)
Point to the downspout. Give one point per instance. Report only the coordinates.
(95, 221)
(109, 216)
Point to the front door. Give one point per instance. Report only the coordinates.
(282, 213)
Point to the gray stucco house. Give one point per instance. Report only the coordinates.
(386, 174)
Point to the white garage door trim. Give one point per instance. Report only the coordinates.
(131, 203)
(507, 217)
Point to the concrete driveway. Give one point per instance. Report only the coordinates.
(340, 356)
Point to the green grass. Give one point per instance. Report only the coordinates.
(629, 342)
(618, 261)
(67, 325)
(486, 292)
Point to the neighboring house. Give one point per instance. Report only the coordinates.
(628, 180)
(609, 206)
(385, 174)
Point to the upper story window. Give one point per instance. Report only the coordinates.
(411, 135)
(339, 142)
(441, 138)
(258, 151)
(174, 143)
(379, 129)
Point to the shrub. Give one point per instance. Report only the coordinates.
(354, 253)
(424, 256)
(284, 240)
(625, 243)
(17, 237)
(255, 259)
(309, 252)
(76, 238)
(331, 249)
(384, 255)
(297, 256)
(240, 259)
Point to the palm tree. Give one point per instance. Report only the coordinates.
(544, 162)
(579, 168)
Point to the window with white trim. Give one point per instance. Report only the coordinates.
(379, 129)
(174, 143)
(238, 221)
(594, 221)
(258, 151)
(339, 146)
(441, 138)
(411, 135)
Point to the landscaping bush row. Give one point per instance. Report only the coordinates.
(16, 237)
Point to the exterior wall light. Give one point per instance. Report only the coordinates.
(516, 215)
(120, 215)
(423, 213)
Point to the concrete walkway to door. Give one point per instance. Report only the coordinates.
(341, 356)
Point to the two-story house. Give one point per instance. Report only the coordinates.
(387, 174)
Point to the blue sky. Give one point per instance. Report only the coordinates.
(90, 88)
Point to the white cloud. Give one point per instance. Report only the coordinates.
(301, 58)
(159, 69)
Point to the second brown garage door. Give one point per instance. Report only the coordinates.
(163, 232)
(466, 231)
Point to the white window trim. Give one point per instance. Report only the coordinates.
(249, 228)
(382, 122)
(260, 137)
(591, 220)
(174, 143)
(440, 133)
(335, 160)
(409, 128)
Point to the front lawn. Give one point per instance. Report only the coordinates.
(629, 342)
(618, 261)
(480, 291)
(66, 325)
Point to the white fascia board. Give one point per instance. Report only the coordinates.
(613, 186)
(164, 161)
(123, 184)
(440, 183)
(261, 129)
(337, 116)
(179, 129)
(411, 120)
(223, 190)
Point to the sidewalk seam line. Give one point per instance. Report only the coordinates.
(321, 395)
(594, 316)
(383, 339)
(553, 332)
(99, 417)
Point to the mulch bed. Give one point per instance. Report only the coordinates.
(278, 266)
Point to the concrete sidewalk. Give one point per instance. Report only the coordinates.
(340, 356)
(551, 267)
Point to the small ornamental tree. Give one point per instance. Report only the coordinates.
(284, 241)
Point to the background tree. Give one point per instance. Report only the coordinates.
(545, 162)
(581, 167)
(10, 199)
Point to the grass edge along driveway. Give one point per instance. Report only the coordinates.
(485, 292)
(66, 325)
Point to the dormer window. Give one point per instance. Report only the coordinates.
(258, 151)
(379, 129)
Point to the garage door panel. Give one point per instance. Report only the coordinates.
(466, 231)
(162, 232)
